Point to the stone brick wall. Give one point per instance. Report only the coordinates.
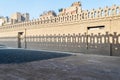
(86, 25)
(103, 44)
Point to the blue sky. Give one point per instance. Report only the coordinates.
(36, 7)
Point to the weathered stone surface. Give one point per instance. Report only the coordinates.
(79, 67)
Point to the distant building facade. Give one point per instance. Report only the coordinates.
(48, 15)
(18, 17)
(14, 18)
(4, 21)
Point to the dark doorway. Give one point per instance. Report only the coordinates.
(19, 39)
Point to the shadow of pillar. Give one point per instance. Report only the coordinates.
(115, 46)
(63, 42)
(54, 42)
(98, 45)
(82, 43)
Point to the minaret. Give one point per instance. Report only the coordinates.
(78, 6)
(75, 8)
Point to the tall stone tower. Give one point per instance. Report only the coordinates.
(25, 16)
(75, 8)
(18, 17)
(78, 6)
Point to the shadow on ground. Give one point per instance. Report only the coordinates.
(8, 56)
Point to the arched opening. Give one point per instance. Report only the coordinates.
(117, 11)
(109, 12)
(102, 13)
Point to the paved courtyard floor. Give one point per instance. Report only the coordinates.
(65, 67)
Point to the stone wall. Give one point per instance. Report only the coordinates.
(85, 15)
(99, 30)
(103, 44)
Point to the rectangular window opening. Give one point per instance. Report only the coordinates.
(95, 27)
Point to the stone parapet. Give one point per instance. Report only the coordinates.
(85, 15)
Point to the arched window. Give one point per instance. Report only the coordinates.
(70, 18)
(47, 20)
(83, 16)
(98, 14)
(75, 17)
(117, 10)
(59, 19)
(95, 14)
(109, 12)
(55, 19)
(88, 15)
(102, 13)
(80, 16)
(113, 11)
(91, 15)
(63, 19)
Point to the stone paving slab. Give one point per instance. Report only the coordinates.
(73, 67)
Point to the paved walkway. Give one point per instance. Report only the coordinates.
(70, 67)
